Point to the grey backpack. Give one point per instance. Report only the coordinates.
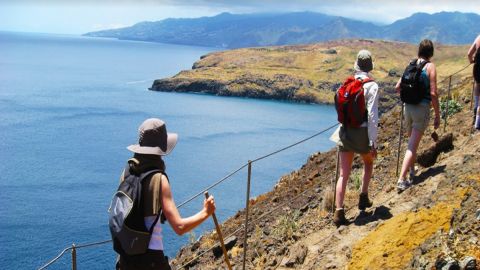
(126, 218)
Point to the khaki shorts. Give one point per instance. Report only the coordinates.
(417, 116)
(354, 140)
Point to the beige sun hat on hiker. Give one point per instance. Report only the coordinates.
(364, 61)
(153, 138)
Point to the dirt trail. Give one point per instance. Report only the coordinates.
(386, 235)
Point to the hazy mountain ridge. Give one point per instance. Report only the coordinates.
(249, 30)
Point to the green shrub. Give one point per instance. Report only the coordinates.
(453, 107)
(286, 225)
(356, 177)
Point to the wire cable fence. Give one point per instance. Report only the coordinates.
(74, 247)
(227, 177)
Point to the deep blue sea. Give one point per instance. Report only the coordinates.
(70, 105)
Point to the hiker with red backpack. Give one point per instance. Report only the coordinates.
(474, 58)
(356, 102)
(418, 89)
(144, 199)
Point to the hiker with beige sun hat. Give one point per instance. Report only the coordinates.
(356, 102)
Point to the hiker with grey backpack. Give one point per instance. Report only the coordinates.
(144, 200)
(418, 91)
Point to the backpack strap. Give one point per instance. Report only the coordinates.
(422, 64)
(366, 80)
(160, 215)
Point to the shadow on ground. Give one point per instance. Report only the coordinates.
(380, 213)
(431, 172)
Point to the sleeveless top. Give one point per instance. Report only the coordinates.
(426, 80)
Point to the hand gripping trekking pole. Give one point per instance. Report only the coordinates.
(220, 237)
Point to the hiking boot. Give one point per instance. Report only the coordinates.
(339, 217)
(364, 202)
(402, 185)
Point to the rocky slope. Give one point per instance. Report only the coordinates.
(302, 73)
(433, 225)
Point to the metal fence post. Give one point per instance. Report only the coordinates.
(400, 131)
(246, 214)
(448, 102)
(473, 97)
(74, 257)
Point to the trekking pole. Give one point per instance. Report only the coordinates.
(336, 179)
(471, 100)
(220, 237)
(399, 139)
(448, 102)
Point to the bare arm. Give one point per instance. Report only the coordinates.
(182, 225)
(432, 74)
(397, 87)
(473, 49)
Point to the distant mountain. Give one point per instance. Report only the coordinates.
(249, 30)
(443, 27)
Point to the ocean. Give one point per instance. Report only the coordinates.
(70, 105)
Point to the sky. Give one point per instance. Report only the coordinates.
(78, 17)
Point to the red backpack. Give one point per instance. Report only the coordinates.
(350, 102)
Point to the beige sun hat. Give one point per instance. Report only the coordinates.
(153, 138)
(364, 61)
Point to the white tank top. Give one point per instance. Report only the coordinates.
(156, 241)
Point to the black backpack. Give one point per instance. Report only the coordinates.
(476, 66)
(126, 218)
(412, 88)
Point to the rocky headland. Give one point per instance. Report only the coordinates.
(301, 73)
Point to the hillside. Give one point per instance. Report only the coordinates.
(303, 73)
(252, 30)
(434, 223)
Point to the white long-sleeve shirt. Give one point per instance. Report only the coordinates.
(371, 100)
